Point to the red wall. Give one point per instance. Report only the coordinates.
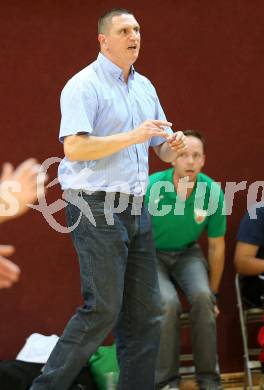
(206, 60)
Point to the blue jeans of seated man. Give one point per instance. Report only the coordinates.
(189, 270)
(120, 289)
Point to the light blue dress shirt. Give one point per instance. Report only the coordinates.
(97, 101)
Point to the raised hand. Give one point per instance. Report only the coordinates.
(28, 181)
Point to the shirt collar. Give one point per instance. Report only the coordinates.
(113, 69)
(194, 195)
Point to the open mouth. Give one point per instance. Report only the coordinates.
(132, 47)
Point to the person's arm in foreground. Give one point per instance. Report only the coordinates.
(18, 188)
(9, 272)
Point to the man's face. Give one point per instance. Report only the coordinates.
(121, 42)
(190, 162)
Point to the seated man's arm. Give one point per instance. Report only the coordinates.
(216, 259)
(246, 261)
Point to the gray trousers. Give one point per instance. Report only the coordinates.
(189, 270)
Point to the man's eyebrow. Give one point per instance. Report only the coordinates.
(127, 26)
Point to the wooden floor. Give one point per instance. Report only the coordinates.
(234, 381)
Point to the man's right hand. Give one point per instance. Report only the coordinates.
(148, 129)
(9, 272)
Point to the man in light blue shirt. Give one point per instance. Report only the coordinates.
(110, 117)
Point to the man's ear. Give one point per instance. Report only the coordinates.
(203, 160)
(102, 40)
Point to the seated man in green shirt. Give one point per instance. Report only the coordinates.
(183, 202)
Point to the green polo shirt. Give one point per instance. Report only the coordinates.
(178, 223)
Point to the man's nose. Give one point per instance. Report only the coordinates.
(190, 159)
(133, 34)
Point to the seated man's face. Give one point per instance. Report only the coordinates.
(190, 162)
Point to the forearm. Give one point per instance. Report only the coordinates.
(88, 147)
(216, 258)
(83, 147)
(249, 265)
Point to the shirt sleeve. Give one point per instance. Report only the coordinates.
(251, 231)
(78, 109)
(160, 115)
(217, 221)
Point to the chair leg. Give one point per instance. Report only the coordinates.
(244, 334)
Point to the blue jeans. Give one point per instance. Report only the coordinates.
(189, 270)
(120, 290)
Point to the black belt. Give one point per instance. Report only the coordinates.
(129, 198)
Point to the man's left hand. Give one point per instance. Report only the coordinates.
(177, 141)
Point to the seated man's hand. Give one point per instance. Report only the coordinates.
(30, 180)
(9, 272)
